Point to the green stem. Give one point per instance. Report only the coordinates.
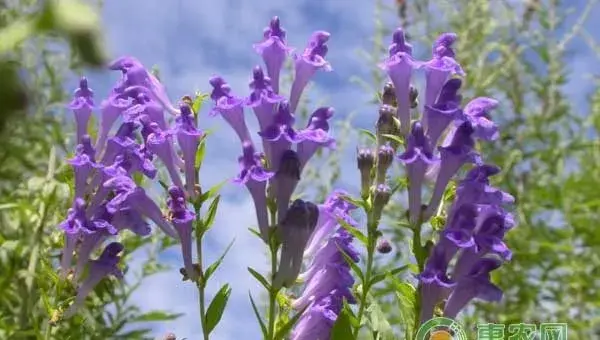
(366, 283)
(420, 257)
(201, 284)
(272, 291)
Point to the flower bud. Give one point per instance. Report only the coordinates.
(381, 197)
(388, 96)
(385, 157)
(365, 160)
(387, 124)
(414, 97)
(384, 246)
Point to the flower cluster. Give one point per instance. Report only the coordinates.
(286, 150)
(476, 221)
(328, 281)
(107, 198)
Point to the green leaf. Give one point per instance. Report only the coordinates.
(211, 269)
(285, 329)
(263, 327)
(394, 138)
(260, 278)
(342, 329)
(369, 134)
(353, 231)
(216, 308)
(212, 212)
(354, 201)
(255, 232)
(407, 299)
(14, 34)
(379, 323)
(156, 315)
(200, 152)
(198, 101)
(6, 206)
(211, 192)
(380, 277)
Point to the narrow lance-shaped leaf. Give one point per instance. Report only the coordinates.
(217, 307)
(211, 269)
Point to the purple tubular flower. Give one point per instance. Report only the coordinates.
(399, 66)
(110, 110)
(105, 265)
(158, 142)
(263, 98)
(188, 138)
(317, 321)
(475, 285)
(453, 157)
(440, 67)
(294, 231)
(273, 50)
(307, 64)
(285, 181)
(335, 208)
(330, 277)
(417, 157)
(229, 107)
(477, 113)
(254, 176)
(444, 111)
(280, 135)
(458, 233)
(143, 104)
(84, 163)
(128, 218)
(182, 219)
(315, 135)
(82, 106)
(135, 74)
(434, 283)
(121, 141)
(134, 197)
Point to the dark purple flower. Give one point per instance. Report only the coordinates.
(317, 321)
(440, 67)
(128, 194)
(307, 64)
(229, 107)
(182, 219)
(477, 113)
(84, 163)
(315, 135)
(110, 110)
(434, 283)
(254, 176)
(330, 277)
(417, 158)
(399, 66)
(458, 233)
(476, 284)
(82, 105)
(188, 138)
(285, 181)
(105, 265)
(445, 110)
(453, 157)
(159, 143)
(294, 231)
(273, 50)
(280, 135)
(128, 218)
(143, 104)
(263, 98)
(121, 141)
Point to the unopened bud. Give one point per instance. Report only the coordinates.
(381, 197)
(170, 336)
(388, 96)
(414, 97)
(387, 124)
(365, 160)
(385, 157)
(384, 246)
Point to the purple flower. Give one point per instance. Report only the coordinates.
(315, 135)
(273, 50)
(307, 64)
(110, 110)
(263, 98)
(159, 143)
(280, 135)
(475, 285)
(417, 157)
(229, 107)
(453, 157)
(434, 283)
(128, 218)
(105, 265)
(82, 105)
(458, 232)
(188, 138)
(445, 110)
(477, 113)
(182, 219)
(285, 181)
(399, 66)
(330, 277)
(143, 104)
(254, 176)
(121, 141)
(130, 195)
(84, 163)
(293, 232)
(317, 321)
(440, 67)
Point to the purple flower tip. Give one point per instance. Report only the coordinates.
(220, 88)
(316, 45)
(111, 251)
(443, 45)
(449, 97)
(274, 29)
(399, 44)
